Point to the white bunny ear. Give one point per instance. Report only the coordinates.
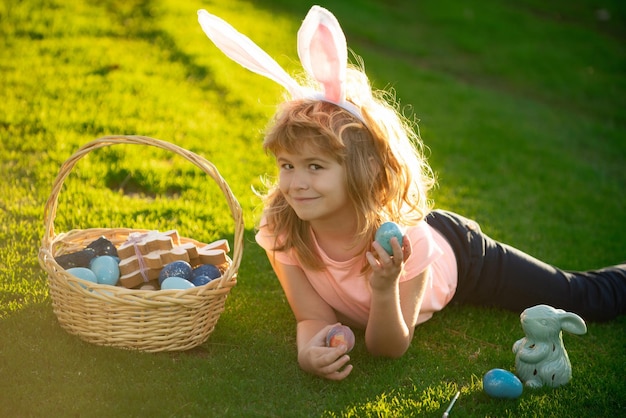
(321, 46)
(323, 52)
(242, 50)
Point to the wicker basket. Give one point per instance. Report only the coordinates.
(146, 320)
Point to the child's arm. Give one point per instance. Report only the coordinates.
(314, 317)
(395, 306)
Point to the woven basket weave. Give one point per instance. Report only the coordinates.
(146, 320)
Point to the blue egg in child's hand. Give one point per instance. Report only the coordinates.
(384, 234)
(499, 383)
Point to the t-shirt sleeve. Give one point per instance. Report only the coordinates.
(267, 241)
(424, 250)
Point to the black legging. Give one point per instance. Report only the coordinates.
(498, 275)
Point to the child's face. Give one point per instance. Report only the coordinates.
(313, 184)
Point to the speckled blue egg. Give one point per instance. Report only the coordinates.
(176, 283)
(502, 384)
(201, 280)
(106, 268)
(208, 270)
(384, 234)
(83, 273)
(78, 259)
(103, 246)
(175, 269)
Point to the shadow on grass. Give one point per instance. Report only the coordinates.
(137, 18)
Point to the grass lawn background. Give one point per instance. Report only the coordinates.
(522, 107)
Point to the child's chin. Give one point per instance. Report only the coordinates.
(304, 215)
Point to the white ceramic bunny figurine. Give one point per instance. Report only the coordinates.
(540, 357)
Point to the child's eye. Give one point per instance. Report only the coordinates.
(315, 167)
(286, 166)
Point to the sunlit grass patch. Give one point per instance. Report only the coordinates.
(521, 106)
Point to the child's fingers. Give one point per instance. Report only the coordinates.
(340, 374)
(397, 249)
(371, 259)
(380, 257)
(330, 356)
(400, 250)
(335, 362)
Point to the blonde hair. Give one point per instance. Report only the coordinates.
(387, 175)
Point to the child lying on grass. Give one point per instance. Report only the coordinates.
(348, 162)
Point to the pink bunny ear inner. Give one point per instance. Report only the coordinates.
(326, 64)
(323, 51)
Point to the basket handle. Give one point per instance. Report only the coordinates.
(201, 162)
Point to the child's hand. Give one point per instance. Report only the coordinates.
(328, 362)
(386, 268)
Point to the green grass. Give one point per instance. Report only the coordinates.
(522, 105)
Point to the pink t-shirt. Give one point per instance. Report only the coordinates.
(345, 289)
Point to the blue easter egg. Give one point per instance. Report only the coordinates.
(208, 270)
(502, 384)
(78, 259)
(201, 280)
(176, 283)
(384, 234)
(175, 269)
(103, 246)
(106, 268)
(83, 273)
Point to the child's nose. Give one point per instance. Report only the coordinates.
(299, 181)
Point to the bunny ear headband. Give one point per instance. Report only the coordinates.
(321, 47)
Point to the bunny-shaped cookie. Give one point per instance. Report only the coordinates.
(540, 357)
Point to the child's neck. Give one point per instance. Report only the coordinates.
(337, 241)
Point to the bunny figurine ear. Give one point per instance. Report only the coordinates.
(323, 52)
(246, 53)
